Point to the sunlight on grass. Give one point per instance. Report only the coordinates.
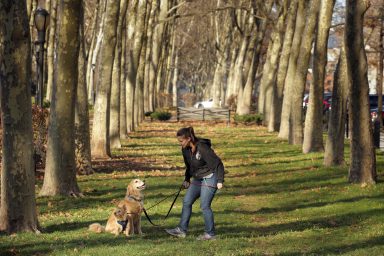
(276, 201)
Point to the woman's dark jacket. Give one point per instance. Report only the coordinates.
(203, 162)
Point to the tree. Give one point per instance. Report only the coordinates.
(313, 130)
(224, 29)
(292, 66)
(136, 20)
(18, 204)
(334, 147)
(277, 97)
(60, 171)
(114, 126)
(83, 144)
(100, 141)
(300, 77)
(268, 79)
(51, 47)
(363, 159)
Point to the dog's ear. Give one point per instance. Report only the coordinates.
(130, 190)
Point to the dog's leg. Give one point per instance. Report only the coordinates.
(137, 225)
(117, 230)
(129, 227)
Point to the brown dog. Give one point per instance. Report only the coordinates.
(116, 223)
(134, 204)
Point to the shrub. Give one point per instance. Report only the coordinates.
(249, 118)
(161, 115)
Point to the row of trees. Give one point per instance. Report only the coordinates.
(268, 46)
(122, 56)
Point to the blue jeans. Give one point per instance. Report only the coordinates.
(205, 189)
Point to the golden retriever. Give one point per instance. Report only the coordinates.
(134, 204)
(116, 223)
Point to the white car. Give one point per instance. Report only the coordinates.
(204, 104)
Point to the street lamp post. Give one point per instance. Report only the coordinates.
(41, 17)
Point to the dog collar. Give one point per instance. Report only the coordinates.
(134, 198)
(123, 224)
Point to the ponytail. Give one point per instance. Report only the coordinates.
(187, 132)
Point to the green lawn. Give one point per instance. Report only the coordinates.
(275, 201)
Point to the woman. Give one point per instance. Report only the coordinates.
(207, 171)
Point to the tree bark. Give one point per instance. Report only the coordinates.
(379, 80)
(60, 171)
(100, 141)
(51, 48)
(313, 130)
(285, 128)
(277, 100)
(94, 48)
(363, 158)
(267, 88)
(334, 147)
(175, 78)
(139, 91)
(123, 90)
(17, 203)
(135, 34)
(114, 126)
(301, 73)
(82, 141)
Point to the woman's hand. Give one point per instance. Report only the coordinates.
(186, 184)
(219, 185)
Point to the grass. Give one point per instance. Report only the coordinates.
(276, 201)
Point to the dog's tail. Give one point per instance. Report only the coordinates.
(96, 227)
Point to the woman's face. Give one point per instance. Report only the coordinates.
(184, 141)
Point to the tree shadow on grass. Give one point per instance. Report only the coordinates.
(328, 222)
(294, 207)
(126, 165)
(341, 249)
(48, 247)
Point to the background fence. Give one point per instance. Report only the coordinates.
(204, 114)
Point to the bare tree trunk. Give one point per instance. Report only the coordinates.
(94, 48)
(363, 158)
(175, 78)
(149, 85)
(238, 76)
(292, 66)
(267, 88)
(60, 171)
(114, 126)
(334, 147)
(123, 90)
(157, 47)
(313, 131)
(224, 29)
(231, 86)
(137, 20)
(277, 101)
(379, 80)
(17, 203)
(100, 141)
(139, 93)
(82, 140)
(51, 49)
(301, 73)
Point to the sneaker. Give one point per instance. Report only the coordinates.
(176, 232)
(206, 236)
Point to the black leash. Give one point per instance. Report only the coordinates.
(170, 208)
